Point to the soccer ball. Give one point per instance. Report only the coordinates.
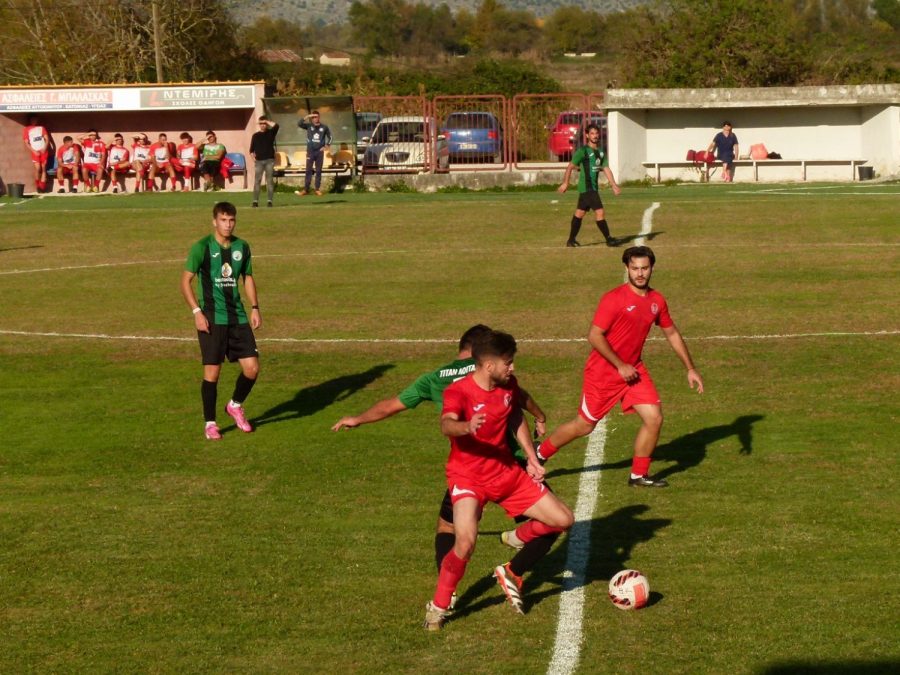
(629, 589)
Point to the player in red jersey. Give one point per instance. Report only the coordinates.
(614, 371)
(37, 140)
(119, 162)
(68, 161)
(185, 159)
(476, 413)
(94, 160)
(140, 161)
(161, 154)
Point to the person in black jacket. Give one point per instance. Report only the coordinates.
(318, 142)
(262, 149)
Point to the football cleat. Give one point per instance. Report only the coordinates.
(236, 413)
(572, 243)
(212, 432)
(300, 193)
(435, 617)
(647, 481)
(510, 539)
(511, 586)
(453, 600)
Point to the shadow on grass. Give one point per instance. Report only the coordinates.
(312, 399)
(686, 451)
(19, 248)
(612, 538)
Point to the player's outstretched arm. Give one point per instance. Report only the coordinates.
(381, 410)
(681, 350)
(253, 297)
(612, 181)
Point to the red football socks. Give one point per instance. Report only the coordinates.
(452, 570)
(640, 466)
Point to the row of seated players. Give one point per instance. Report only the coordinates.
(92, 160)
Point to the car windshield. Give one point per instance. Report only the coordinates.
(471, 121)
(399, 132)
(366, 122)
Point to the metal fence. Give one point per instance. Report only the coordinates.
(472, 133)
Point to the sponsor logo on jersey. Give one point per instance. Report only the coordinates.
(478, 407)
(226, 270)
(628, 309)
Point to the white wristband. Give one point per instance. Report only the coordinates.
(196, 310)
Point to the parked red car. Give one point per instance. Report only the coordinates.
(567, 132)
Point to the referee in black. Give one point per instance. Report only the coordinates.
(262, 150)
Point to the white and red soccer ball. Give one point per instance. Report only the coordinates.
(629, 589)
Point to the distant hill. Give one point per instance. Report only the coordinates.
(335, 11)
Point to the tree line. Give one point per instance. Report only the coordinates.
(401, 47)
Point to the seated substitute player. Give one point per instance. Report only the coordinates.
(211, 155)
(477, 412)
(68, 163)
(185, 160)
(430, 387)
(37, 140)
(615, 372)
(118, 162)
(161, 154)
(93, 160)
(141, 162)
(591, 159)
(224, 327)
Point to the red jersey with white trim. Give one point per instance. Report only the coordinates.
(187, 152)
(141, 153)
(118, 154)
(626, 319)
(484, 455)
(35, 135)
(94, 151)
(68, 155)
(160, 152)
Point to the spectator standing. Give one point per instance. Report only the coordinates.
(262, 149)
(726, 144)
(37, 140)
(68, 163)
(211, 155)
(318, 142)
(94, 160)
(119, 162)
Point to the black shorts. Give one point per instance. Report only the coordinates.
(589, 201)
(209, 167)
(231, 342)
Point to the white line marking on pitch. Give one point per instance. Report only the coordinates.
(567, 649)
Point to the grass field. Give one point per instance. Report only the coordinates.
(130, 544)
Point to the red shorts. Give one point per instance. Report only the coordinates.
(514, 490)
(68, 170)
(142, 169)
(40, 157)
(92, 168)
(599, 396)
(124, 167)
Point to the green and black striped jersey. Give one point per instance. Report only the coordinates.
(217, 269)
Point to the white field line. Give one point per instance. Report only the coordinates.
(290, 340)
(567, 648)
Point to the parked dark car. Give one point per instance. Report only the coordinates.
(474, 136)
(567, 133)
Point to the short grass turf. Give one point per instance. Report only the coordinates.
(130, 544)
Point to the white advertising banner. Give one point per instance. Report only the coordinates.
(200, 96)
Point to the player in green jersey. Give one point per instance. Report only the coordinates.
(430, 387)
(590, 159)
(224, 327)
